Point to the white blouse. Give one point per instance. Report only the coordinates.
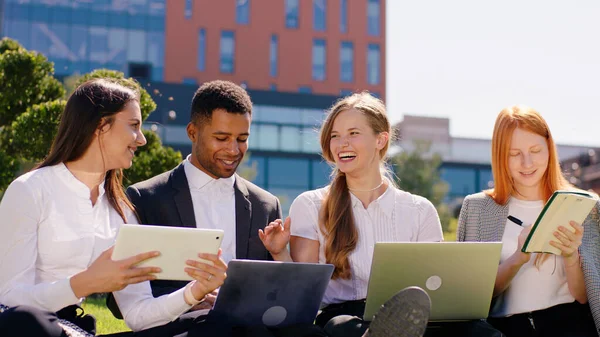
(395, 216)
(50, 231)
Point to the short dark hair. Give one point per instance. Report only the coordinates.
(219, 95)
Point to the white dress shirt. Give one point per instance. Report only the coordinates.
(214, 205)
(395, 216)
(532, 288)
(50, 231)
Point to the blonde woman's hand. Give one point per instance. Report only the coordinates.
(208, 277)
(568, 241)
(107, 275)
(276, 236)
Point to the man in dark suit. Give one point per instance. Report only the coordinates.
(204, 191)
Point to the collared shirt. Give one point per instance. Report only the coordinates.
(50, 231)
(394, 217)
(214, 205)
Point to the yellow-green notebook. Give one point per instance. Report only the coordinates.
(561, 208)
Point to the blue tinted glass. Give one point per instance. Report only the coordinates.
(39, 38)
(344, 16)
(137, 21)
(136, 46)
(98, 45)
(347, 62)
(157, 73)
(320, 174)
(373, 64)
(373, 10)
(305, 89)
(253, 169)
(201, 50)
(291, 13)
(346, 92)
(319, 15)
(157, 8)
(59, 47)
(227, 51)
(99, 19)
(273, 56)
(20, 31)
(156, 47)
(266, 136)
(486, 179)
(318, 55)
(155, 24)
(61, 14)
(242, 12)
(121, 20)
(81, 16)
(310, 140)
(189, 80)
(79, 46)
(80, 67)
(288, 172)
(461, 180)
(188, 9)
(117, 46)
(19, 12)
(291, 139)
(39, 12)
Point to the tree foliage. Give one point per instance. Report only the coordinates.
(418, 172)
(31, 103)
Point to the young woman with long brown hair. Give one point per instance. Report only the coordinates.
(534, 294)
(60, 220)
(339, 224)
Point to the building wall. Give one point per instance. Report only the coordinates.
(252, 45)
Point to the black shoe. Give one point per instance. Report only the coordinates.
(404, 315)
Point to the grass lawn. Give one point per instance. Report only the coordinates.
(451, 235)
(105, 321)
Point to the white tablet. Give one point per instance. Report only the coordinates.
(175, 244)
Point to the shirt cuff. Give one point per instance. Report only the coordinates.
(175, 305)
(64, 294)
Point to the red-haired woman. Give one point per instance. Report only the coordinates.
(534, 294)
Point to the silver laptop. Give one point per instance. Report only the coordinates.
(458, 276)
(274, 294)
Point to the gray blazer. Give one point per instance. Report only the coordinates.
(482, 219)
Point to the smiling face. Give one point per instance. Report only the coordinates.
(219, 144)
(353, 144)
(121, 139)
(527, 162)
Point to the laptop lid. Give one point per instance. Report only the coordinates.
(272, 293)
(458, 276)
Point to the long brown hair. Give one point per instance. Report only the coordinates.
(91, 106)
(528, 119)
(336, 217)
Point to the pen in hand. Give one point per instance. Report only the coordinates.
(515, 220)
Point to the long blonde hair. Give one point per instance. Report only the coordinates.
(528, 119)
(336, 216)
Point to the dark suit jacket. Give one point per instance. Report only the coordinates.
(166, 200)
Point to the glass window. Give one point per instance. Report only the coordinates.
(39, 12)
(136, 21)
(319, 15)
(277, 114)
(227, 51)
(286, 196)
(201, 50)
(189, 80)
(318, 58)
(347, 62)
(157, 7)
(461, 180)
(188, 9)
(313, 117)
(79, 45)
(156, 47)
(373, 10)
(290, 139)
(40, 41)
(136, 48)
(20, 31)
(59, 37)
(305, 89)
(486, 179)
(288, 172)
(117, 45)
(268, 137)
(310, 140)
(343, 16)
(254, 168)
(242, 12)
(373, 64)
(346, 92)
(273, 56)
(320, 174)
(291, 13)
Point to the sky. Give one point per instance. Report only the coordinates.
(468, 59)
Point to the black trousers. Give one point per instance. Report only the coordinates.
(29, 321)
(563, 320)
(353, 326)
